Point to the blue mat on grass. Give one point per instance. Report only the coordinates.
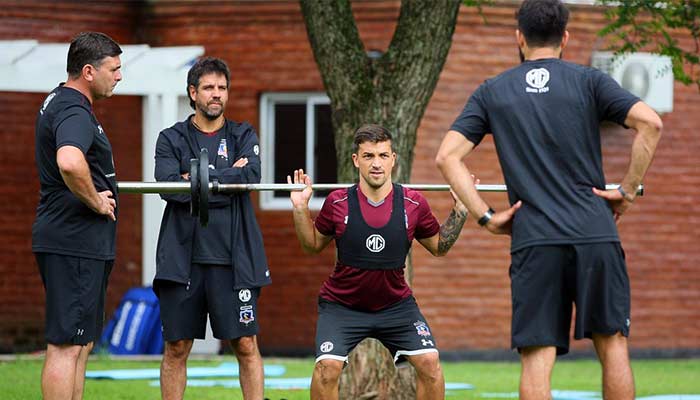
(224, 370)
(581, 395)
(283, 383)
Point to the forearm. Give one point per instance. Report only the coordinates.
(233, 175)
(459, 178)
(450, 229)
(643, 149)
(78, 179)
(305, 230)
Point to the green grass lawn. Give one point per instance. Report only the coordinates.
(20, 379)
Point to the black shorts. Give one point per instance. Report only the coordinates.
(75, 297)
(546, 281)
(184, 308)
(401, 328)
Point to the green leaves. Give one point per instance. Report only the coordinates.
(667, 27)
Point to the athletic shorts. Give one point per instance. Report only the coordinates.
(184, 307)
(401, 328)
(546, 281)
(75, 297)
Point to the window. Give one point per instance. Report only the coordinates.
(296, 132)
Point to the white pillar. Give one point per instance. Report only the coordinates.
(159, 112)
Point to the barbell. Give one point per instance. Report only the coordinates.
(199, 187)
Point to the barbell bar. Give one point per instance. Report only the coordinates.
(184, 187)
(199, 192)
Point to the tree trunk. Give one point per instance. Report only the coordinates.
(392, 90)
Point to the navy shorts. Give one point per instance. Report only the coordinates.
(184, 307)
(401, 328)
(75, 297)
(547, 281)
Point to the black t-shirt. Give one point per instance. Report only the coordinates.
(212, 244)
(544, 116)
(64, 225)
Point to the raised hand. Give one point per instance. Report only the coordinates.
(300, 199)
(459, 206)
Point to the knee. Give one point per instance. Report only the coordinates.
(327, 372)
(611, 348)
(88, 347)
(177, 350)
(428, 367)
(245, 347)
(63, 351)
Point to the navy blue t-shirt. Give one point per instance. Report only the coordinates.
(212, 244)
(64, 224)
(544, 116)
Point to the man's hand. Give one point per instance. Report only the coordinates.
(502, 222)
(300, 199)
(618, 203)
(240, 163)
(107, 204)
(459, 207)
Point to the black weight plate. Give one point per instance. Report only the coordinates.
(204, 187)
(194, 187)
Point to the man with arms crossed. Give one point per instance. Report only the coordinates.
(73, 236)
(218, 269)
(545, 115)
(373, 224)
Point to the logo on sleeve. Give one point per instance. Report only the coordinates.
(375, 243)
(256, 149)
(325, 347)
(46, 102)
(537, 79)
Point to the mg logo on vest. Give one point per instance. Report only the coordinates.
(375, 243)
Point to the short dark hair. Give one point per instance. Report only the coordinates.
(542, 22)
(90, 48)
(370, 133)
(203, 66)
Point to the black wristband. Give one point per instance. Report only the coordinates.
(486, 217)
(624, 194)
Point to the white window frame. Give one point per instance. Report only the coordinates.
(267, 143)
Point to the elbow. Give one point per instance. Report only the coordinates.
(651, 127)
(310, 250)
(442, 160)
(657, 127)
(68, 167)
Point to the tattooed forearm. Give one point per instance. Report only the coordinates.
(449, 231)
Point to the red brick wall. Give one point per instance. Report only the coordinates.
(466, 295)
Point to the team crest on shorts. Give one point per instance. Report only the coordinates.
(246, 315)
(326, 347)
(421, 328)
(244, 295)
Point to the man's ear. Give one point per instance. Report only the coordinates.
(192, 91)
(354, 160)
(564, 39)
(88, 72)
(520, 39)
